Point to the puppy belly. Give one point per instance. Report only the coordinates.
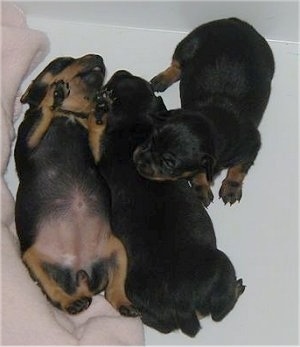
(75, 240)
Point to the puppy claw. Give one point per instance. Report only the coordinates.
(231, 192)
(129, 311)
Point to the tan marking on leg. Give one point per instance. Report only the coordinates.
(41, 128)
(47, 116)
(201, 180)
(172, 73)
(231, 188)
(115, 290)
(96, 132)
(34, 261)
(236, 174)
(202, 187)
(167, 77)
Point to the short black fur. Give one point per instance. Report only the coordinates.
(175, 269)
(225, 68)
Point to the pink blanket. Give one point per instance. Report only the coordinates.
(27, 318)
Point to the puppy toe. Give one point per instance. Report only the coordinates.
(230, 191)
(129, 311)
(79, 305)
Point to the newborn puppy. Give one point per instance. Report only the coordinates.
(225, 69)
(62, 208)
(175, 271)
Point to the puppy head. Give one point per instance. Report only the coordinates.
(129, 98)
(176, 149)
(72, 82)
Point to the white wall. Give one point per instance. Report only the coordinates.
(276, 20)
(260, 234)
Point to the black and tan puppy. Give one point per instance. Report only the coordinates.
(175, 271)
(62, 206)
(225, 69)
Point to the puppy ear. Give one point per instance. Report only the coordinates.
(34, 94)
(208, 162)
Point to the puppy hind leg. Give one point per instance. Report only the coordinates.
(231, 188)
(115, 290)
(83, 302)
(226, 290)
(166, 78)
(223, 301)
(72, 304)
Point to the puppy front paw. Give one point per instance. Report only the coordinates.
(230, 191)
(205, 194)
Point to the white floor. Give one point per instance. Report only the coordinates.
(260, 234)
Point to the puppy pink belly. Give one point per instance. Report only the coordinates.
(74, 241)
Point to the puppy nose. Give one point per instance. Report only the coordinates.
(94, 57)
(91, 60)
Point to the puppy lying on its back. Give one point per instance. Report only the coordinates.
(175, 270)
(62, 205)
(225, 69)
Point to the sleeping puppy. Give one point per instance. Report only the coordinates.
(175, 271)
(225, 69)
(62, 208)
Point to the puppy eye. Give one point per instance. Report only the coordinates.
(169, 161)
(59, 94)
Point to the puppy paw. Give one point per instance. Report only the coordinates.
(166, 78)
(78, 305)
(129, 311)
(160, 83)
(205, 194)
(230, 191)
